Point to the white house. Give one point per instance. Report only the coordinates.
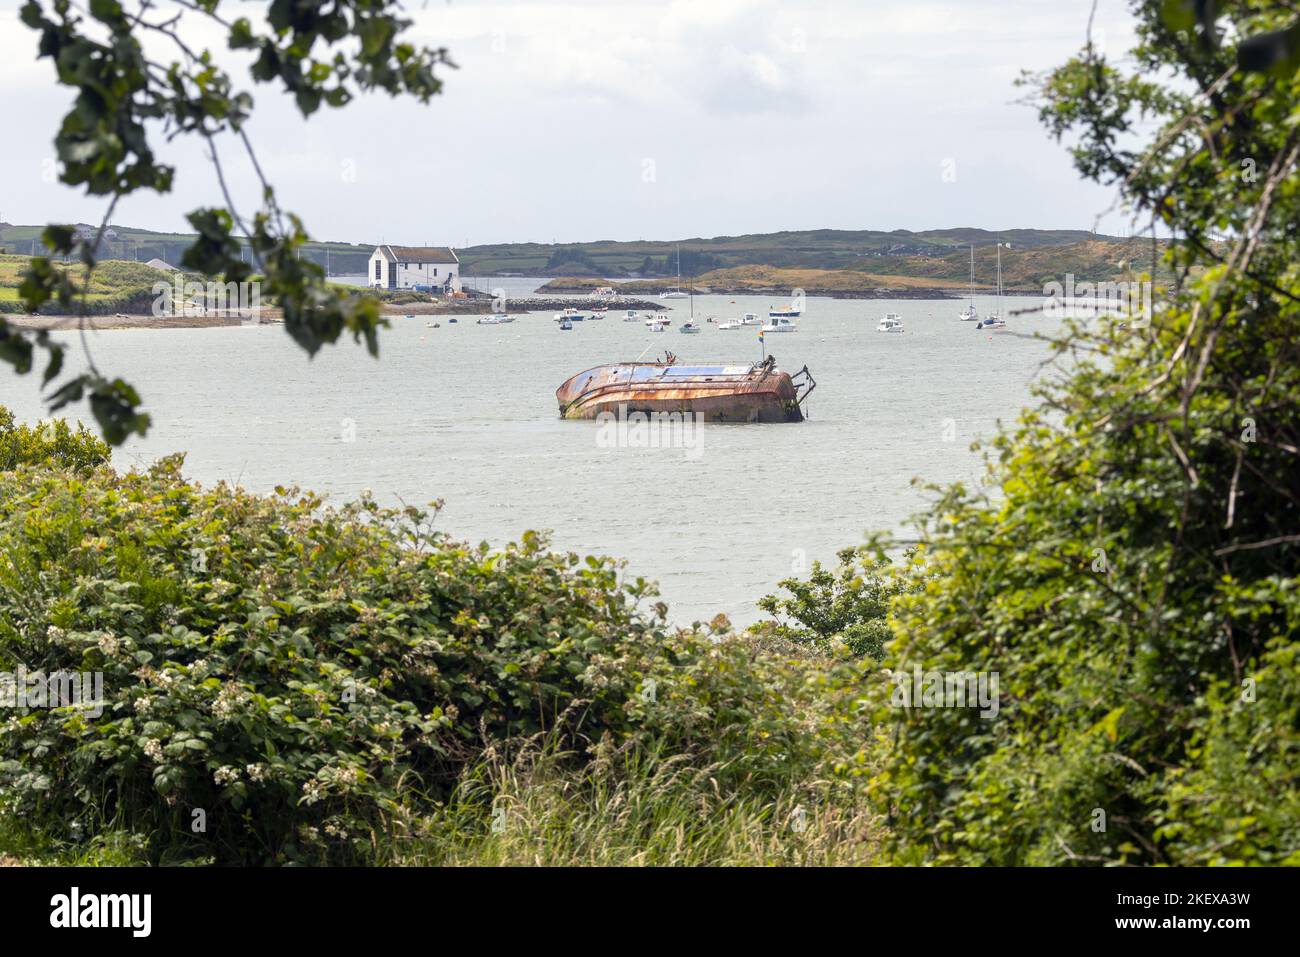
(405, 267)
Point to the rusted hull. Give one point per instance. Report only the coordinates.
(756, 396)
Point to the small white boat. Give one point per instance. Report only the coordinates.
(892, 322)
(689, 326)
(496, 319)
(658, 320)
(433, 325)
(598, 313)
(751, 319)
(992, 323)
(631, 316)
(730, 324)
(780, 324)
(565, 324)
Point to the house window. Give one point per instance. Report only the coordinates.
(379, 263)
(435, 271)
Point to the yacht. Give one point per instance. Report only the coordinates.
(751, 319)
(788, 313)
(995, 322)
(892, 322)
(780, 324)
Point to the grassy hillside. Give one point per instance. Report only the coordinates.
(1024, 268)
(114, 286)
(141, 245)
(790, 249)
(807, 249)
(764, 279)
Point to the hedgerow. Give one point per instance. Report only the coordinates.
(289, 682)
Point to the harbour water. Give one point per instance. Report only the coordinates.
(467, 413)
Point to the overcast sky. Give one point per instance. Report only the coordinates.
(658, 120)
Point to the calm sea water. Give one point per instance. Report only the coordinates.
(467, 413)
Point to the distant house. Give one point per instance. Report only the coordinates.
(408, 267)
(161, 266)
(86, 233)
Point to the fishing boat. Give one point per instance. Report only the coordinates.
(780, 324)
(495, 319)
(758, 392)
(730, 324)
(751, 319)
(892, 322)
(631, 316)
(971, 314)
(565, 324)
(573, 315)
(689, 326)
(659, 319)
(598, 313)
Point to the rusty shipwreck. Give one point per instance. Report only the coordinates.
(759, 392)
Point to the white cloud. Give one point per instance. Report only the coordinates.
(756, 114)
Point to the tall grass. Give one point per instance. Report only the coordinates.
(630, 808)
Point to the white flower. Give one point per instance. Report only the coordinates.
(226, 775)
(153, 750)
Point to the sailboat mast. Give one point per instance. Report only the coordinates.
(972, 275)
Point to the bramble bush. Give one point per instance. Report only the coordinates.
(1134, 577)
(307, 682)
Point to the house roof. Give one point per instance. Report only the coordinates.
(419, 254)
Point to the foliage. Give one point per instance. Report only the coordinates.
(321, 55)
(849, 604)
(309, 677)
(52, 444)
(634, 806)
(1132, 574)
